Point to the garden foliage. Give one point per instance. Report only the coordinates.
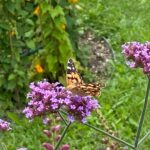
(27, 27)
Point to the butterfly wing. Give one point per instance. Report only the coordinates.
(76, 85)
(73, 78)
(90, 89)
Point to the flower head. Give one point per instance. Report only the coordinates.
(138, 55)
(45, 98)
(4, 125)
(48, 97)
(81, 107)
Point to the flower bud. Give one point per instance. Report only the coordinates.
(47, 132)
(105, 140)
(65, 147)
(48, 146)
(56, 128)
(58, 137)
(58, 119)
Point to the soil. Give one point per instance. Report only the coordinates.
(99, 55)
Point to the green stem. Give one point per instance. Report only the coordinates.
(106, 133)
(62, 118)
(113, 137)
(144, 138)
(63, 134)
(142, 115)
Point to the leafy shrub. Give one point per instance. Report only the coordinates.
(25, 28)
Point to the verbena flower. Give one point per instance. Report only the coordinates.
(48, 97)
(45, 98)
(46, 121)
(4, 125)
(81, 107)
(138, 55)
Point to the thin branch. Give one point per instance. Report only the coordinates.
(63, 134)
(106, 133)
(113, 137)
(62, 118)
(142, 140)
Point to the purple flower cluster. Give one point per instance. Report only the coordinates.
(48, 98)
(45, 98)
(4, 125)
(80, 107)
(138, 55)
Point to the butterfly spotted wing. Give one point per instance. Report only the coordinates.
(77, 85)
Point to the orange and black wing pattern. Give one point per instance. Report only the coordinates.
(76, 85)
(72, 77)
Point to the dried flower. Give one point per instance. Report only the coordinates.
(138, 55)
(4, 125)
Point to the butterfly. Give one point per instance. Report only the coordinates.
(77, 86)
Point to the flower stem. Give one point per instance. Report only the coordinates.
(62, 118)
(142, 115)
(63, 134)
(144, 138)
(113, 137)
(106, 133)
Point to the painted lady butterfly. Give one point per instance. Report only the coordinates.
(77, 85)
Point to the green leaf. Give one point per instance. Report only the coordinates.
(45, 7)
(10, 6)
(5, 26)
(65, 52)
(11, 85)
(29, 21)
(51, 61)
(57, 11)
(30, 44)
(11, 77)
(14, 117)
(20, 73)
(29, 34)
(2, 80)
(47, 30)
